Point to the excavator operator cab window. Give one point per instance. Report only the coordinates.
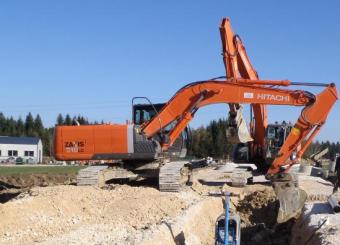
(144, 112)
(137, 117)
(143, 116)
(276, 136)
(271, 133)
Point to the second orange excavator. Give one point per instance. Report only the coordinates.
(160, 131)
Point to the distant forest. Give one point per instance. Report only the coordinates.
(207, 140)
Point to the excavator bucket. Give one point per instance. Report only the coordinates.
(291, 198)
(237, 131)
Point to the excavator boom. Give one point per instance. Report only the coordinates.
(238, 66)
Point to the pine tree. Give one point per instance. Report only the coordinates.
(12, 127)
(2, 124)
(47, 139)
(337, 147)
(20, 127)
(38, 126)
(29, 125)
(60, 119)
(68, 120)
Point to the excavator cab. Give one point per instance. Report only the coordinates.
(276, 135)
(142, 113)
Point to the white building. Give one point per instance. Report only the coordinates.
(29, 149)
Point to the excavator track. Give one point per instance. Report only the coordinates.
(98, 175)
(90, 176)
(172, 176)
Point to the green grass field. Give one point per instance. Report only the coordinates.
(10, 170)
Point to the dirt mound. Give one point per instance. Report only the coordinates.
(259, 207)
(258, 213)
(71, 214)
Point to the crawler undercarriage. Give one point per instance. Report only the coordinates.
(171, 175)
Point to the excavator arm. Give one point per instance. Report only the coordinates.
(189, 99)
(312, 118)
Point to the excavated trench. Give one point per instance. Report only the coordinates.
(258, 212)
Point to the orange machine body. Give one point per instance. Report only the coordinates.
(100, 142)
(87, 141)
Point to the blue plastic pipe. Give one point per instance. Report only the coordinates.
(226, 218)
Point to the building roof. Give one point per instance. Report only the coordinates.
(19, 140)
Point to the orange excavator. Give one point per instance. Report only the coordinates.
(156, 129)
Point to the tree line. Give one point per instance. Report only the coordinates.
(209, 140)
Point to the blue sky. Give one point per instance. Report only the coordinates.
(91, 57)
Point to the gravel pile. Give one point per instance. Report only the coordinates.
(72, 214)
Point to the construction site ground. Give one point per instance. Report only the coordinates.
(53, 210)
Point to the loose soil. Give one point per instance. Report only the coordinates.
(40, 208)
(73, 214)
(30, 180)
(258, 212)
(12, 185)
(24, 176)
